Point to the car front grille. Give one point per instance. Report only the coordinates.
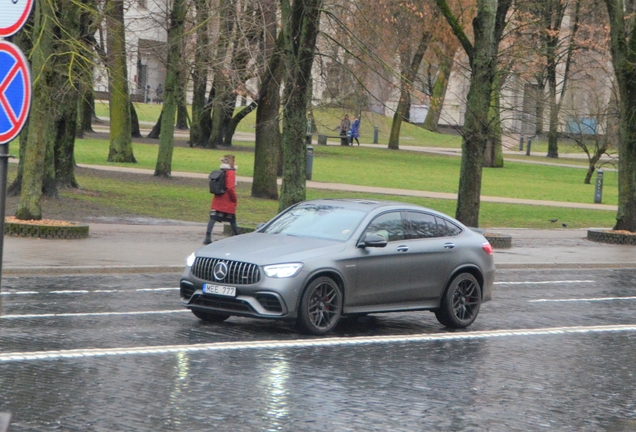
(239, 273)
(269, 302)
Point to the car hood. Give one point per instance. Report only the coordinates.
(263, 249)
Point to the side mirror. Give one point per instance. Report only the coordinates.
(373, 240)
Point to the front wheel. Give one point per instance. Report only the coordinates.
(209, 317)
(320, 307)
(461, 302)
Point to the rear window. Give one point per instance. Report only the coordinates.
(423, 225)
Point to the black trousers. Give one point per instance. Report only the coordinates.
(217, 216)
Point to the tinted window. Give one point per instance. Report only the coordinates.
(421, 225)
(447, 228)
(388, 226)
(322, 221)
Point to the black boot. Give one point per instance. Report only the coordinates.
(207, 240)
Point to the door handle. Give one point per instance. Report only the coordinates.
(402, 248)
(449, 245)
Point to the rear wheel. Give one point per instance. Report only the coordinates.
(461, 302)
(320, 307)
(209, 317)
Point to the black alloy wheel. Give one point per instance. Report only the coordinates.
(320, 307)
(209, 317)
(461, 302)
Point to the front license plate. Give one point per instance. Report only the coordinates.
(221, 290)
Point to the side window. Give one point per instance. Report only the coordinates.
(388, 225)
(447, 228)
(421, 225)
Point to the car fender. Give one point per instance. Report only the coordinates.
(473, 269)
(323, 271)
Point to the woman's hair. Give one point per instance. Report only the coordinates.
(229, 160)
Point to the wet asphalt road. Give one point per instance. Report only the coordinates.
(555, 350)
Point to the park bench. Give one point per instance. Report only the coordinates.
(322, 139)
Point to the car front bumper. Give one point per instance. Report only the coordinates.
(273, 298)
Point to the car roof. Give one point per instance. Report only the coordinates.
(369, 205)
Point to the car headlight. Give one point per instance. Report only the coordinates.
(190, 259)
(282, 270)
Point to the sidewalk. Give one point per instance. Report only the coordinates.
(162, 246)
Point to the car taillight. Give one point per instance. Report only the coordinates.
(487, 247)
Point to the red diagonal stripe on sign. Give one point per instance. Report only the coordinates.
(13, 118)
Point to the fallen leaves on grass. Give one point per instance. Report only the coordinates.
(46, 222)
(623, 232)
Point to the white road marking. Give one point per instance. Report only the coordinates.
(88, 291)
(308, 343)
(75, 315)
(19, 293)
(545, 282)
(593, 299)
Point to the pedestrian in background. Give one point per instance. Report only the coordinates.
(345, 125)
(223, 207)
(159, 92)
(354, 133)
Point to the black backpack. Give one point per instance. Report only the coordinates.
(217, 182)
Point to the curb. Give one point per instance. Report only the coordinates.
(564, 266)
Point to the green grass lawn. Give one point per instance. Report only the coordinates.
(191, 203)
(364, 166)
(386, 168)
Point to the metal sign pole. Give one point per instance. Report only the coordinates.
(4, 164)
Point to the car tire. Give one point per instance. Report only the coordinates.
(209, 317)
(320, 307)
(460, 303)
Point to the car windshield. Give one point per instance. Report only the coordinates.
(321, 221)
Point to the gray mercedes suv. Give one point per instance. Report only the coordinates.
(320, 260)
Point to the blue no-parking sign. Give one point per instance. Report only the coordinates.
(15, 91)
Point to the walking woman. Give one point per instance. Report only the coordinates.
(354, 133)
(223, 207)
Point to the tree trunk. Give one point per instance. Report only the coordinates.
(301, 20)
(135, 132)
(198, 134)
(86, 103)
(494, 153)
(182, 110)
(438, 93)
(222, 89)
(623, 58)
(488, 26)
(65, 142)
(120, 126)
(41, 132)
(553, 132)
(155, 132)
(407, 77)
(268, 138)
(229, 133)
(171, 95)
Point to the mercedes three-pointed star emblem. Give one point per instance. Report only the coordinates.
(220, 270)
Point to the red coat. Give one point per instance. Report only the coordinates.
(226, 203)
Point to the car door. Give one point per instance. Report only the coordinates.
(432, 252)
(383, 273)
